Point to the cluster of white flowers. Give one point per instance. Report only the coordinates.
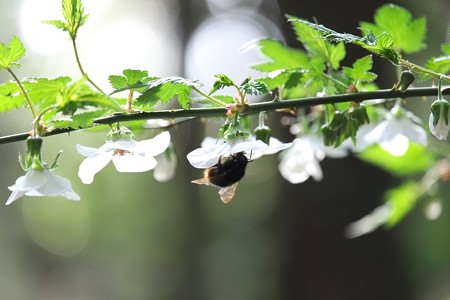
(299, 160)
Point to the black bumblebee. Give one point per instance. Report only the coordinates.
(225, 175)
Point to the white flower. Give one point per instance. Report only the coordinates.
(41, 183)
(393, 135)
(301, 161)
(212, 149)
(127, 155)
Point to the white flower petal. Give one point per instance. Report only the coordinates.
(14, 196)
(212, 149)
(396, 146)
(156, 145)
(206, 157)
(441, 129)
(92, 165)
(52, 185)
(33, 179)
(133, 163)
(300, 161)
(123, 145)
(86, 151)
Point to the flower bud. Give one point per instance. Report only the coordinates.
(438, 121)
(263, 133)
(406, 79)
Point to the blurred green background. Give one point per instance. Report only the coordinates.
(131, 237)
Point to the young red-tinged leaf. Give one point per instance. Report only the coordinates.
(10, 54)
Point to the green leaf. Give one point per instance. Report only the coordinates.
(408, 34)
(221, 82)
(381, 45)
(42, 92)
(416, 159)
(310, 35)
(73, 13)
(165, 89)
(400, 201)
(79, 120)
(79, 95)
(281, 57)
(360, 71)
(10, 54)
(130, 78)
(440, 64)
(11, 97)
(255, 88)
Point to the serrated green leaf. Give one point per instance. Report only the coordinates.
(73, 13)
(221, 82)
(408, 35)
(43, 92)
(117, 81)
(255, 88)
(416, 159)
(440, 64)
(10, 54)
(360, 71)
(11, 97)
(165, 89)
(131, 78)
(381, 45)
(400, 201)
(281, 57)
(310, 35)
(84, 119)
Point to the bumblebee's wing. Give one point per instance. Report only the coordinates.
(227, 193)
(202, 180)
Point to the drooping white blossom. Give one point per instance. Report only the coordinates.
(302, 160)
(41, 183)
(212, 149)
(393, 134)
(126, 154)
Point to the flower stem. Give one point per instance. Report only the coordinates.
(25, 94)
(421, 69)
(37, 121)
(213, 99)
(80, 67)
